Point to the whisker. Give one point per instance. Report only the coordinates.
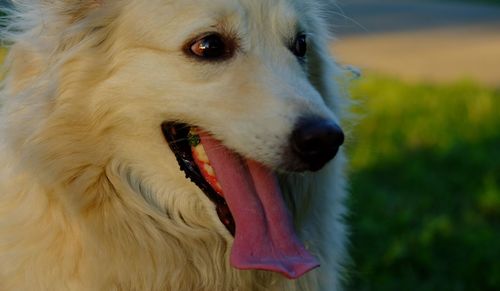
(342, 14)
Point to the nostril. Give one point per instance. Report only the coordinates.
(316, 141)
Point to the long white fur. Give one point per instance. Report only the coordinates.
(91, 198)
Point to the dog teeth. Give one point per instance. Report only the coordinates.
(201, 154)
(201, 159)
(209, 170)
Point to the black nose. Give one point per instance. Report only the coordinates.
(316, 141)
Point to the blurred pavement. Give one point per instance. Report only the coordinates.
(420, 40)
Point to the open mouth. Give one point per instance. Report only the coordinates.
(186, 145)
(248, 201)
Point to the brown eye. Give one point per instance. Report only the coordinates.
(299, 46)
(211, 47)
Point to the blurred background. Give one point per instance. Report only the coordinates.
(425, 151)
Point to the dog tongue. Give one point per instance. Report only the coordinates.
(264, 237)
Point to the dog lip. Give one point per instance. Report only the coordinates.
(176, 135)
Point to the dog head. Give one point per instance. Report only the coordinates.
(240, 70)
(117, 78)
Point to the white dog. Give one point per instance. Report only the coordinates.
(105, 101)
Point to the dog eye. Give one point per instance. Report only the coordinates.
(299, 46)
(211, 47)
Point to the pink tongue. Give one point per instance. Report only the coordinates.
(264, 237)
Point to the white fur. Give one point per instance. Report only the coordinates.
(91, 198)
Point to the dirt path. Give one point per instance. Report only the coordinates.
(421, 40)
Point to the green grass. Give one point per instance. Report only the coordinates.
(425, 187)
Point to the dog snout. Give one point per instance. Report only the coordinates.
(316, 141)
